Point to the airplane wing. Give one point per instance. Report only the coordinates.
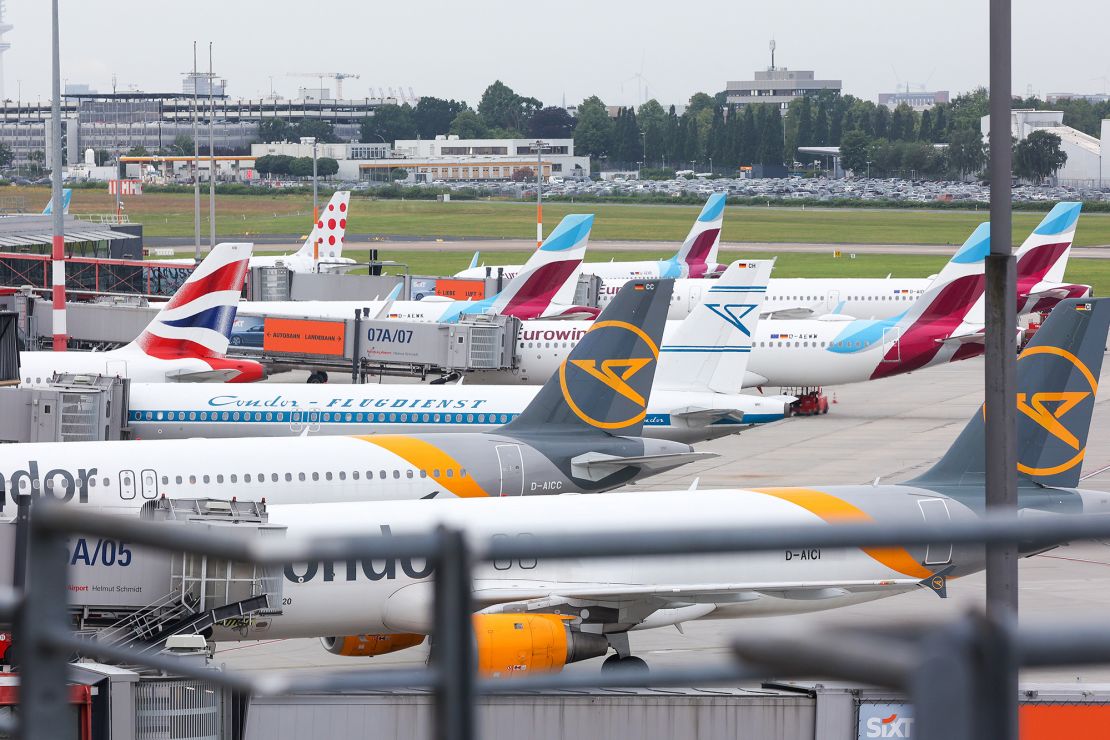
(595, 465)
(205, 376)
(789, 312)
(703, 417)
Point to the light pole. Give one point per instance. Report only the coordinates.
(539, 144)
(643, 137)
(711, 166)
(315, 208)
(211, 155)
(869, 169)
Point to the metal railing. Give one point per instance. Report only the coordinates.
(951, 671)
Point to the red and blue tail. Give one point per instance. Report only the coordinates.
(197, 321)
(1043, 259)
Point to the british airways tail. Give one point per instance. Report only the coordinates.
(604, 383)
(709, 349)
(326, 239)
(67, 195)
(197, 320)
(697, 256)
(1057, 381)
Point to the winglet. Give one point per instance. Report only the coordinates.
(474, 261)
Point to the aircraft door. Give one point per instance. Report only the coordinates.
(935, 511)
(114, 368)
(149, 483)
(313, 420)
(127, 484)
(512, 470)
(833, 300)
(892, 348)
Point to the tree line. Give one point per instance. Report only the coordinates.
(711, 133)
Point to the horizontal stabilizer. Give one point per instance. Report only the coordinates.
(595, 465)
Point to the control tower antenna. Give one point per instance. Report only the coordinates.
(4, 45)
(772, 46)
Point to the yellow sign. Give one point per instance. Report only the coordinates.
(613, 374)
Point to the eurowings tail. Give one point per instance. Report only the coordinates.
(1043, 259)
(197, 320)
(550, 275)
(67, 195)
(698, 254)
(604, 383)
(1057, 381)
(325, 241)
(709, 349)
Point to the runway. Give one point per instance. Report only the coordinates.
(889, 429)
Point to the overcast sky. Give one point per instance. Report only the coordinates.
(554, 50)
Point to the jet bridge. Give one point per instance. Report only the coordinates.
(140, 597)
(71, 408)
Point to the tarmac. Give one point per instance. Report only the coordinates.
(888, 430)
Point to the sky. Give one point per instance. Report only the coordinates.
(554, 51)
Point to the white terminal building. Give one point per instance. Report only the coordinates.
(1088, 162)
(443, 158)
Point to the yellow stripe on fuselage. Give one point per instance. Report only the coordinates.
(835, 511)
(426, 456)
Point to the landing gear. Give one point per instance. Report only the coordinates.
(319, 376)
(631, 664)
(811, 401)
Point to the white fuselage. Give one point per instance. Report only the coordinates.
(785, 353)
(281, 410)
(861, 298)
(37, 368)
(328, 599)
(607, 271)
(298, 262)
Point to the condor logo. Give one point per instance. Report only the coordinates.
(733, 313)
(617, 386)
(1050, 410)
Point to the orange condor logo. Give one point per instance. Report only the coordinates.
(614, 374)
(1048, 409)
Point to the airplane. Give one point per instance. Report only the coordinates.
(1041, 262)
(695, 396)
(544, 289)
(939, 326)
(696, 258)
(67, 196)
(581, 433)
(185, 342)
(538, 615)
(322, 251)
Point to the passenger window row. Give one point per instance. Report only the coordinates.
(306, 417)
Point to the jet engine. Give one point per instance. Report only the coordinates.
(367, 646)
(511, 644)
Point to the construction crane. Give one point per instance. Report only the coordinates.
(337, 76)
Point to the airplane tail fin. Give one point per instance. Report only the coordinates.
(957, 288)
(325, 241)
(1044, 254)
(709, 349)
(698, 254)
(67, 195)
(1057, 380)
(550, 275)
(604, 383)
(474, 261)
(197, 320)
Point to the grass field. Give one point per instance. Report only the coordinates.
(171, 214)
(1094, 272)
